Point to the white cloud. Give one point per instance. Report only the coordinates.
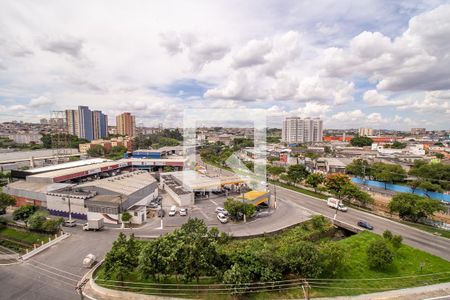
(373, 98)
(40, 101)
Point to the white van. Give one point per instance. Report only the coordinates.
(336, 203)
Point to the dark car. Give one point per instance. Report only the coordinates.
(161, 213)
(365, 224)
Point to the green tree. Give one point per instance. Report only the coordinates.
(238, 208)
(398, 145)
(314, 180)
(396, 242)
(36, 220)
(24, 212)
(126, 216)
(414, 207)
(275, 170)
(332, 258)
(239, 278)
(352, 193)
(123, 257)
(361, 141)
(335, 184)
(6, 200)
(436, 173)
(117, 152)
(388, 173)
(303, 259)
(96, 151)
(297, 173)
(387, 235)
(359, 168)
(439, 155)
(379, 256)
(52, 225)
(168, 169)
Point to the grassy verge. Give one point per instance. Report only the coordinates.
(25, 237)
(300, 190)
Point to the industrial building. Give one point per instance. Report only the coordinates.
(187, 186)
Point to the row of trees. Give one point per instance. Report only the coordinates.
(434, 177)
(36, 219)
(166, 137)
(116, 152)
(339, 185)
(73, 140)
(194, 251)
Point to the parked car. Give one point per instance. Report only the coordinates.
(222, 218)
(173, 211)
(69, 223)
(89, 260)
(183, 211)
(221, 210)
(153, 204)
(161, 213)
(365, 224)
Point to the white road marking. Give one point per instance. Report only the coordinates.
(215, 203)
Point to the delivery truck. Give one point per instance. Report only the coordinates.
(336, 203)
(94, 225)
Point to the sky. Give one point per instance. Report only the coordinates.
(378, 64)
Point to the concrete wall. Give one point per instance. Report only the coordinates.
(182, 200)
(61, 203)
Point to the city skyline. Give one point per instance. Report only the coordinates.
(342, 65)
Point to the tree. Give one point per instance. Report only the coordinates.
(238, 208)
(24, 212)
(314, 180)
(436, 173)
(379, 256)
(168, 169)
(303, 259)
(335, 183)
(430, 187)
(361, 141)
(123, 257)
(297, 173)
(359, 168)
(36, 220)
(6, 200)
(332, 258)
(414, 207)
(126, 216)
(439, 155)
(96, 151)
(388, 173)
(387, 235)
(396, 241)
(239, 277)
(275, 170)
(117, 152)
(352, 193)
(52, 225)
(398, 145)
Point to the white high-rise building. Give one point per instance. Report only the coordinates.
(365, 131)
(298, 130)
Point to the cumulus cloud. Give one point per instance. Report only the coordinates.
(373, 98)
(40, 101)
(171, 42)
(416, 60)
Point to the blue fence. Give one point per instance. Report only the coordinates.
(402, 189)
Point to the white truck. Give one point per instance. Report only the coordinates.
(336, 203)
(94, 225)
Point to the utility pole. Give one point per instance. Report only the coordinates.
(70, 208)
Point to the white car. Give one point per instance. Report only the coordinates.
(222, 218)
(183, 211)
(221, 210)
(173, 211)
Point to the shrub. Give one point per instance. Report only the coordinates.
(379, 256)
(387, 235)
(52, 225)
(36, 220)
(126, 216)
(396, 241)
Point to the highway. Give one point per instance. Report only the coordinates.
(416, 238)
(425, 241)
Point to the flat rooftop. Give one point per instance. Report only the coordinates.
(68, 165)
(124, 184)
(193, 180)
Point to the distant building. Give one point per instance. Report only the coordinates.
(87, 124)
(43, 121)
(418, 131)
(107, 144)
(126, 124)
(365, 131)
(27, 138)
(298, 130)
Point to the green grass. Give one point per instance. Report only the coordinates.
(23, 236)
(300, 190)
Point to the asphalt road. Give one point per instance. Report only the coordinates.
(436, 245)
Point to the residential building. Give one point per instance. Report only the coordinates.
(108, 144)
(298, 130)
(126, 124)
(365, 131)
(418, 131)
(87, 124)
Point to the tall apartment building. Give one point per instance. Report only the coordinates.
(87, 124)
(126, 124)
(365, 131)
(418, 131)
(298, 130)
